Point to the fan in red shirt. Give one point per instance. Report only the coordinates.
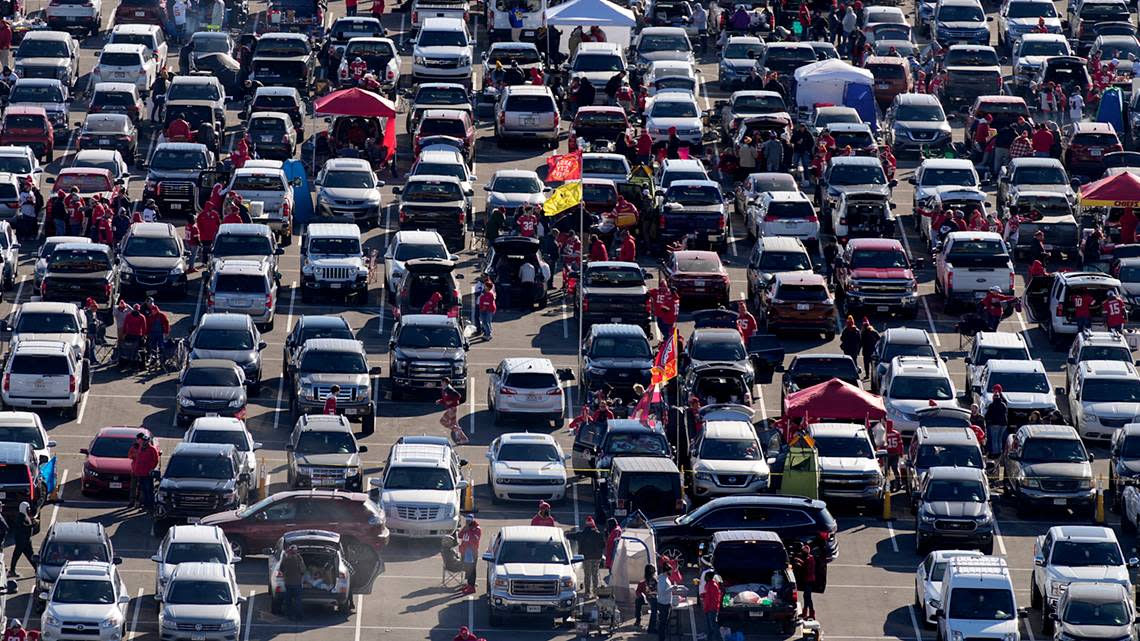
(982, 131)
(624, 208)
(1082, 310)
(179, 130)
(628, 250)
(1042, 141)
(1037, 269)
(745, 322)
(527, 223)
(432, 304)
(543, 518)
(1114, 312)
(666, 307)
(1128, 222)
(330, 400)
(994, 305)
(598, 249)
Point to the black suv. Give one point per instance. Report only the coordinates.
(1048, 466)
(200, 479)
(20, 479)
(650, 485)
(615, 292)
(618, 356)
(425, 349)
(792, 518)
(628, 437)
(312, 326)
(953, 507)
(173, 177)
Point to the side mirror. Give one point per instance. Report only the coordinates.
(375, 371)
(1092, 457)
(397, 190)
(36, 559)
(362, 449)
(1022, 613)
(1059, 391)
(156, 558)
(288, 447)
(242, 599)
(462, 485)
(577, 558)
(488, 557)
(1039, 561)
(84, 451)
(117, 560)
(45, 596)
(257, 446)
(49, 180)
(262, 345)
(968, 360)
(280, 251)
(124, 598)
(235, 560)
(940, 613)
(375, 482)
(1072, 360)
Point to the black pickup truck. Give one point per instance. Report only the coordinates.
(78, 271)
(615, 292)
(200, 479)
(753, 563)
(173, 177)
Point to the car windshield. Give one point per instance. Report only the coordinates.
(60, 552)
(211, 377)
(36, 93)
(787, 59)
(784, 262)
(237, 438)
(42, 48)
(166, 158)
(532, 552)
(456, 169)
(195, 466)
(507, 55)
(333, 362)
(195, 553)
(949, 456)
(920, 113)
(1120, 48)
(46, 323)
(412, 251)
(1106, 353)
(1130, 449)
(148, 247)
(857, 174)
(111, 447)
(335, 246)
(972, 58)
(844, 447)
(1111, 390)
(932, 177)
(418, 478)
(87, 183)
(1044, 47)
(742, 50)
(442, 38)
(981, 604)
(83, 591)
(441, 96)
(762, 104)
(432, 191)
(619, 347)
(192, 91)
(325, 442)
(223, 339)
(16, 164)
(1105, 12)
(418, 337)
(1054, 175)
(1053, 450)
(673, 109)
(605, 165)
(878, 259)
(717, 350)
(1096, 613)
(730, 449)
(921, 388)
(241, 245)
(961, 13)
(533, 452)
(598, 62)
(654, 42)
(1031, 10)
(190, 592)
(955, 490)
(78, 261)
(1019, 382)
(1086, 553)
(516, 185)
(694, 195)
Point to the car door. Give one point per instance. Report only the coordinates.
(1074, 401)
(272, 522)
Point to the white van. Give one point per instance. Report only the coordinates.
(978, 600)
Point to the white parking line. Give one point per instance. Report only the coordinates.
(574, 491)
(470, 614)
(198, 304)
(914, 621)
(1024, 330)
(471, 403)
(249, 610)
(565, 320)
(930, 321)
(135, 615)
(281, 380)
(60, 485)
(998, 538)
(32, 596)
(891, 531)
(82, 409)
(359, 615)
(763, 407)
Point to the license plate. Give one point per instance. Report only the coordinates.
(431, 384)
(529, 122)
(324, 482)
(755, 614)
(802, 307)
(882, 85)
(197, 637)
(140, 14)
(241, 303)
(1059, 501)
(533, 609)
(71, 18)
(881, 308)
(352, 411)
(104, 141)
(615, 319)
(212, 414)
(335, 285)
(979, 295)
(116, 486)
(1094, 152)
(698, 283)
(174, 205)
(120, 74)
(267, 138)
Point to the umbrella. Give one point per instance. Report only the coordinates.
(354, 102)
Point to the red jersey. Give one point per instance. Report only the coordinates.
(666, 305)
(1082, 306)
(528, 225)
(628, 250)
(1114, 313)
(330, 404)
(746, 323)
(487, 302)
(894, 442)
(358, 69)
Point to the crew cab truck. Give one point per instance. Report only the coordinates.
(531, 571)
(264, 181)
(173, 175)
(424, 350)
(200, 479)
(978, 601)
(615, 292)
(969, 263)
(753, 561)
(1048, 300)
(324, 362)
(848, 464)
(874, 275)
(1068, 554)
(435, 202)
(692, 209)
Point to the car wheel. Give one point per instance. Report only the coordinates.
(675, 552)
(237, 546)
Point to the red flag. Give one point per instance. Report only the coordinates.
(564, 167)
(665, 363)
(641, 410)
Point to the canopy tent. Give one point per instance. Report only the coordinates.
(1121, 190)
(827, 81)
(354, 102)
(616, 21)
(834, 400)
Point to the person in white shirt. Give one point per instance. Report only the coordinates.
(149, 212)
(665, 591)
(180, 10)
(1076, 106)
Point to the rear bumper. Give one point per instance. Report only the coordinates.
(41, 403)
(529, 134)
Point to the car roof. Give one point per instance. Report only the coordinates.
(881, 244)
(12, 453)
(651, 464)
(916, 99)
(1066, 432)
(335, 230)
(780, 243)
(1085, 533)
(197, 534)
(528, 364)
(77, 531)
(87, 569)
(1022, 366)
(1085, 127)
(1036, 162)
(120, 431)
(775, 500)
(428, 320)
(242, 266)
(124, 47)
(211, 363)
(616, 329)
(324, 423)
(210, 449)
(946, 435)
(198, 571)
(999, 339)
(218, 423)
(1107, 369)
(848, 430)
(1096, 592)
(957, 473)
(152, 230)
(526, 437)
(323, 320)
(1101, 338)
(245, 229)
(800, 278)
(347, 163)
(334, 345)
(224, 320)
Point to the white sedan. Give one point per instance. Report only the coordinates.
(526, 467)
(928, 582)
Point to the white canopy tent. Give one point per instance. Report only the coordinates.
(826, 82)
(616, 21)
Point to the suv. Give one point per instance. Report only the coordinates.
(152, 260)
(347, 188)
(120, 62)
(200, 601)
(323, 453)
(210, 387)
(649, 485)
(265, 181)
(1084, 146)
(422, 487)
(531, 570)
(953, 505)
(614, 292)
(1032, 175)
(774, 255)
(1048, 300)
(912, 383)
(957, 21)
(899, 341)
(332, 262)
(1124, 464)
(323, 362)
(1025, 386)
(528, 112)
(1048, 465)
(200, 479)
(1069, 554)
(940, 447)
(29, 126)
(1103, 397)
(796, 302)
(345, 578)
(1103, 612)
(727, 458)
(173, 172)
(89, 595)
(273, 134)
(616, 356)
(425, 349)
(66, 542)
(875, 274)
(233, 337)
(978, 598)
(26, 427)
(20, 479)
(527, 387)
(232, 431)
(987, 346)
(45, 374)
(442, 52)
(848, 464)
(189, 544)
(243, 287)
(435, 202)
(36, 320)
(78, 271)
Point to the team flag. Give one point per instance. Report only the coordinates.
(563, 167)
(563, 198)
(665, 363)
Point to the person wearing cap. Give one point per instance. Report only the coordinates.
(469, 537)
(543, 518)
(15, 631)
(144, 458)
(1091, 250)
(465, 634)
(849, 340)
(22, 529)
(293, 572)
(994, 306)
(666, 307)
(592, 546)
(1114, 312)
(997, 417)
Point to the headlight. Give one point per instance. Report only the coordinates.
(125, 267)
(956, 636)
(236, 403)
(169, 624)
(360, 394)
(596, 371)
(458, 367)
(464, 61)
(704, 476)
(229, 625)
(401, 367)
(1058, 588)
(52, 621)
(308, 392)
(160, 496)
(390, 511)
(985, 517)
(304, 470)
(500, 583)
(912, 286)
(352, 471)
(111, 622)
(185, 402)
(1085, 484)
(567, 583)
(1030, 483)
(178, 269)
(419, 60)
(1009, 636)
(926, 517)
(447, 511)
(307, 269)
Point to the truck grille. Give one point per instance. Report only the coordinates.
(200, 627)
(151, 276)
(429, 370)
(894, 287)
(444, 63)
(328, 473)
(534, 588)
(414, 513)
(955, 526)
(1059, 485)
(176, 190)
(345, 393)
(1115, 422)
(525, 481)
(733, 480)
(923, 135)
(195, 500)
(335, 273)
(847, 482)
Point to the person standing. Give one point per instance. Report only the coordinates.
(22, 529)
(746, 159)
(591, 545)
(801, 151)
(1076, 107)
(488, 305)
(330, 401)
(1114, 312)
(1082, 310)
(543, 518)
(1127, 222)
(666, 588)
(5, 41)
(773, 151)
(144, 459)
(179, 12)
(613, 534)
(192, 238)
(805, 572)
(350, 7)
(997, 417)
(15, 631)
(469, 537)
(894, 442)
(745, 322)
(849, 340)
(644, 596)
(1042, 141)
(868, 339)
(293, 571)
(1002, 140)
(710, 604)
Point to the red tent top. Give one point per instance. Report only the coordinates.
(834, 399)
(1121, 190)
(354, 102)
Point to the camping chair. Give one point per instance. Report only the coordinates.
(453, 573)
(479, 233)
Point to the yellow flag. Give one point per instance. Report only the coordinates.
(563, 198)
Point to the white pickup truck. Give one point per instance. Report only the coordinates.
(969, 263)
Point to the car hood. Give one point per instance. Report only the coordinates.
(533, 570)
(221, 518)
(170, 174)
(210, 393)
(334, 378)
(882, 273)
(882, 190)
(745, 64)
(1081, 470)
(1109, 573)
(679, 123)
(955, 509)
(442, 52)
(241, 357)
(1054, 189)
(87, 612)
(509, 199)
(347, 193)
(108, 464)
(758, 468)
(194, 485)
(417, 497)
(199, 612)
(1025, 400)
(921, 192)
(1095, 631)
(620, 363)
(148, 262)
(44, 62)
(912, 407)
(1112, 409)
(847, 464)
(336, 261)
(1030, 23)
(429, 353)
(328, 460)
(923, 125)
(683, 56)
(529, 468)
(964, 25)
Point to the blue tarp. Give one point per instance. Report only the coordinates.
(47, 471)
(861, 98)
(302, 197)
(1112, 109)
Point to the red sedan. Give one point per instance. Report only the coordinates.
(698, 276)
(107, 468)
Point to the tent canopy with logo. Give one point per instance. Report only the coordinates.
(834, 400)
(1121, 190)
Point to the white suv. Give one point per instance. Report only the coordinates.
(1074, 553)
(190, 544)
(65, 15)
(422, 486)
(1095, 346)
(784, 213)
(674, 109)
(988, 346)
(44, 375)
(928, 581)
(727, 457)
(88, 595)
(442, 52)
(1024, 384)
(124, 62)
(526, 387)
(26, 427)
(1103, 397)
(911, 383)
(201, 602)
(526, 467)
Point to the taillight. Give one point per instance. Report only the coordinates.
(585, 304)
(661, 220)
(95, 71)
(107, 290)
(7, 381)
(391, 75)
(466, 16)
(71, 383)
(1060, 309)
(507, 391)
(415, 16)
(795, 595)
(502, 119)
(1000, 86)
(286, 209)
(269, 301)
(949, 281)
(403, 215)
(769, 218)
(620, 504)
(557, 119)
(43, 287)
(722, 222)
(462, 216)
(813, 218)
(210, 301)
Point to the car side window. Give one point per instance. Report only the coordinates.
(281, 511)
(927, 564)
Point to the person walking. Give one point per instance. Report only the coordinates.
(488, 305)
(868, 339)
(710, 605)
(592, 546)
(850, 341)
(293, 571)
(330, 401)
(469, 537)
(666, 307)
(22, 528)
(144, 457)
(1076, 107)
(773, 151)
(450, 398)
(894, 454)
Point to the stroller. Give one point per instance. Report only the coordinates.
(130, 353)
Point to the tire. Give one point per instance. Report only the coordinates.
(1035, 599)
(676, 552)
(920, 544)
(1046, 621)
(1126, 524)
(237, 545)
(277, 605)
(368, 424)
(269, 325)
(987, 549)
(494, 618)
(397, 393)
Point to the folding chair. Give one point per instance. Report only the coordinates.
(453, 574)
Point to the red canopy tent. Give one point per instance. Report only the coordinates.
(364, 104)
(1121, 190)
(834, 400)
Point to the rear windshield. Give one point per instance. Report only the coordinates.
(531, 380)
(270, 125)
(1104, 12)
(241, 284)
(620, 347)
(120, 59)
(889, 72)
(695, 195)
(949, 456)
(440, 96)
(113, 99)
(810, 293)
(241, 245)
(347, 29)
(25, 121)
(615, 276)
(774, 261)
(258, 182)
(1096, 140)
(978, 253)
(42, 364)
(530, 104)
(282, 47)
(192, 91)
(443, 127)
(432, 191)
(971, 57)
(275, 103)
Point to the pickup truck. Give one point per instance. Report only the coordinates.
(695, 209)
(1033, 175)
(615, 292)
(423, 9)
(749, 563)
(531, 570)
(173, 175)
(861, 174)
(435, 202)
(875, 275)
(76, 272)
(969, 263)
(264, 181)
(1071, 553)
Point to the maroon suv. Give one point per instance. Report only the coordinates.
(257, 527)
(107, 468)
